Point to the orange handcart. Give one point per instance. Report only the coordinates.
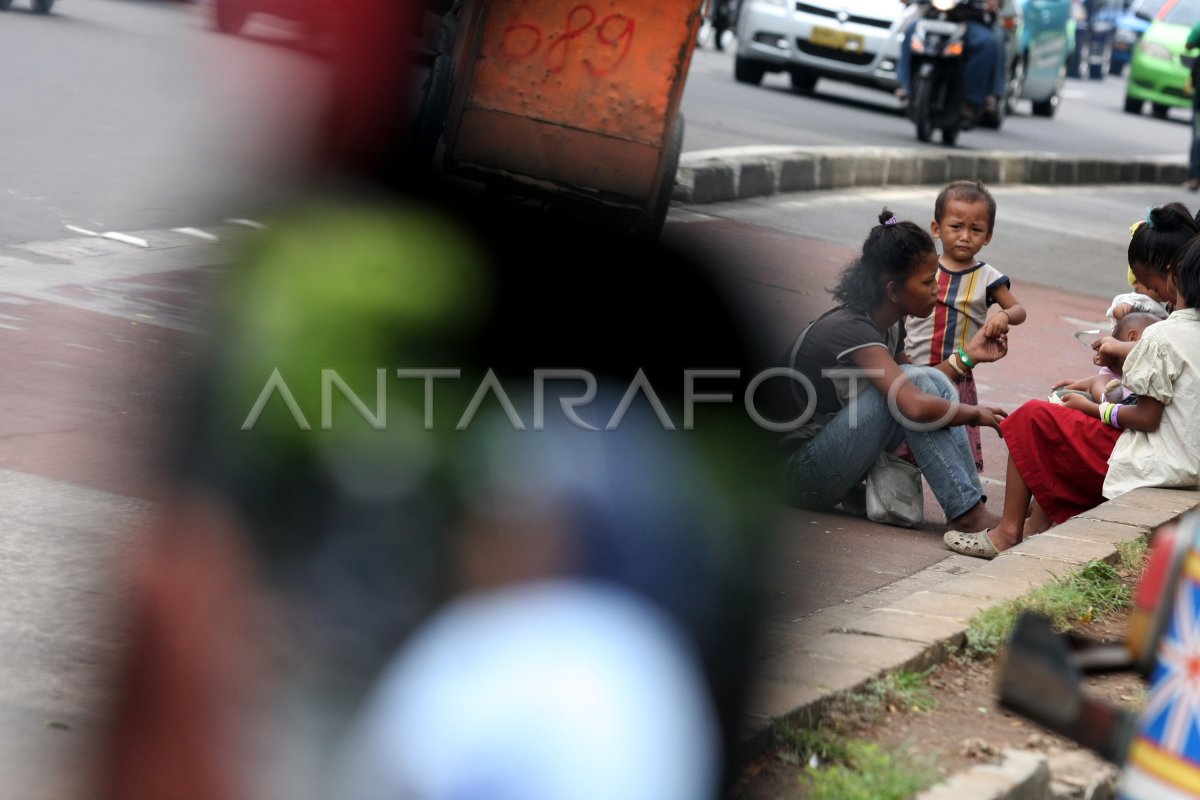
(573, 101)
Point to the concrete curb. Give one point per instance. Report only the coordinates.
(920, 628)
(736, 173)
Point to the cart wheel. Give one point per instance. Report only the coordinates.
(651, 223)
(435, 103)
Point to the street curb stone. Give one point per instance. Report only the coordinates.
(737, 173)
(1019, 776)
(922, 628)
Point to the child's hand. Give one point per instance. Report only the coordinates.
(997, 326)
(1121, 309)
(1110, 351)
(1108, 346)
(1081, 403)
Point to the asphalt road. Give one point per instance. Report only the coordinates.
(723, 113)
(135, 114)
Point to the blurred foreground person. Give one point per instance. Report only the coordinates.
(468, 505)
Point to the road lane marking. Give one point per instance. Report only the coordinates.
(126, 238)
(199, 234)
(84, 231)
(247, 223)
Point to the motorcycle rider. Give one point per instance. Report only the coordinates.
(984, 61)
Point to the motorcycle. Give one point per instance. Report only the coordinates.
(939, 68)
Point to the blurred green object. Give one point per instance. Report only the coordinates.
(352, 289)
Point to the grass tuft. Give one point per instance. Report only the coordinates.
(1093, 593)
(872, 772)
(897, 691)
(815, 740)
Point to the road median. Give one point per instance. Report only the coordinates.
(737, 173)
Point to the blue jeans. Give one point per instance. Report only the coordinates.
(825, 468)
(984, 67)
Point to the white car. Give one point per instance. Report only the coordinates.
(847, 40)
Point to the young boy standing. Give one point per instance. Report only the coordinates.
(964, 217)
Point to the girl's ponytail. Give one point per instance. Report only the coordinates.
(891, 250)
(1159, 237)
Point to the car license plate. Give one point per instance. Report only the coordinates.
(944, 27)
(836, 40)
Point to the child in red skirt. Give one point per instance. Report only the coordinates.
(1069, 458)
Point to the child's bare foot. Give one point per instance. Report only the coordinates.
(1037, 522)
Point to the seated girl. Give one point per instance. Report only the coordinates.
(1071, 457)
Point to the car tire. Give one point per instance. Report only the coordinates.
(1046, 108)
(746, 70)
(1159, 110)
(1133, 105)
(5, 5)
(1016, 85)
(803, 80)
(42, 6)
(1115, 67)
(1097, 70)
(922, 115)
(231, 16)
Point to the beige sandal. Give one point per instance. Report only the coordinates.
(977, 544)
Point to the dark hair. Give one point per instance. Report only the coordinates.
(965, 192)
(1187, 274)
(1157, 240)
(1134, 320)
(890, 253)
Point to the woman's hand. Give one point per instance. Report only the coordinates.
(982, 349)
(988, 417)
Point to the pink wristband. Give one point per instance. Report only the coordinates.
(1112, 419)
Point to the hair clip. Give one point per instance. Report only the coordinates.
(891, 220)
(1134, 227)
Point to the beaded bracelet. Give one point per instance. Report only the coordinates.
(966, 360)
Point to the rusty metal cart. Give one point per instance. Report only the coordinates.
(573, 101)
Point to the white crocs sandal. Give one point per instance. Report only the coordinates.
(977, 544)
